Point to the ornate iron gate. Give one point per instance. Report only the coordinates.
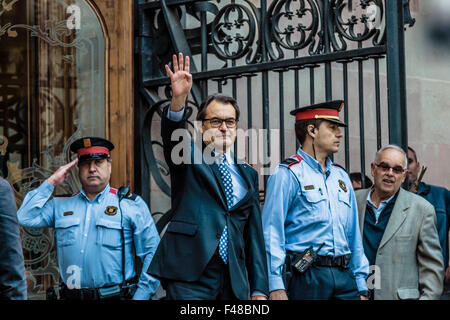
(272, 56)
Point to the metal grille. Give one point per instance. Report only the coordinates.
(272, 56)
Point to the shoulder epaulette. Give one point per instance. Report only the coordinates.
(131, 196)
(339, 166)
(291, 161)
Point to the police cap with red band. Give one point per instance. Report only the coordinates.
(325, 111)
(92, 148)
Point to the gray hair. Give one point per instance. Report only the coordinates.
(392, 146)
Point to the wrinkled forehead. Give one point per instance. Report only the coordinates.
(392, 157)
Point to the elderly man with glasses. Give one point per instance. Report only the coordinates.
(399, 234)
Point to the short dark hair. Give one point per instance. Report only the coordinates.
(356, 176)
(301, 128)
(414, 153)
(219, 98)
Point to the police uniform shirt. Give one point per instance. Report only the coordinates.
(88, 236)
(306, 206)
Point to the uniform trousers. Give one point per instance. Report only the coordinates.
(323, 283)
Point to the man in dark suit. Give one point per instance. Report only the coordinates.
(213, 248)
(13, 285)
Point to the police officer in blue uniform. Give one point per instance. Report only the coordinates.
(96, 229)
(310, 204)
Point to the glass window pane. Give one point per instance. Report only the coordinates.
(52, 92)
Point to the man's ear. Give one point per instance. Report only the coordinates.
(311, 130)
(372, 169)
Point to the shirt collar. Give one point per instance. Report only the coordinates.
(383, 203)
(99, 196)
(423, 189)
(313, 163)
(227, 155)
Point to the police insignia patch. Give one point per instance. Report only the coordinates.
(68, 213)
(111, 211)
(342, 185)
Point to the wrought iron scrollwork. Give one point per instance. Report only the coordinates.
(368, 24)
(245, 46)
(158, 167)
(233, 32)
(284, 33)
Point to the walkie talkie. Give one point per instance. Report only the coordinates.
(303, 261)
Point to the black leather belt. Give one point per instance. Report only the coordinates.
(117, 292)
(329, 261)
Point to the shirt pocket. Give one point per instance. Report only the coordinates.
(315, 205)
(344, 198)
(66, 231)
(109, 233)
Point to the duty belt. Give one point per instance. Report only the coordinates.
(105, 293)
(329, 261)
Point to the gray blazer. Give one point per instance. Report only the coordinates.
(13, 285)
(409, 257)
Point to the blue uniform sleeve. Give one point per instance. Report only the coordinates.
(281, 189)
(146, 240)
(358, 263)
(36, 210)
(175, 116)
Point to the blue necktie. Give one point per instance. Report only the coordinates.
(226, 179)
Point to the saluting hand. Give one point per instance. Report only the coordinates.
(180, 80)
(62, 173)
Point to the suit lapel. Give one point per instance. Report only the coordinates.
(362, 205)
(245, 172)
(397, 218)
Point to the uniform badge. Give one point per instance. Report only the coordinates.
(311, 187)
(342, 185)
(68, 213)
(111, 211)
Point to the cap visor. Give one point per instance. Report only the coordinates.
(339, 122)
(96, 156)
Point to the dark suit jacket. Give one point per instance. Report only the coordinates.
(12, 270)
(200, 213)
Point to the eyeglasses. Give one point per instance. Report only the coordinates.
(217, 123)
(385, 168)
